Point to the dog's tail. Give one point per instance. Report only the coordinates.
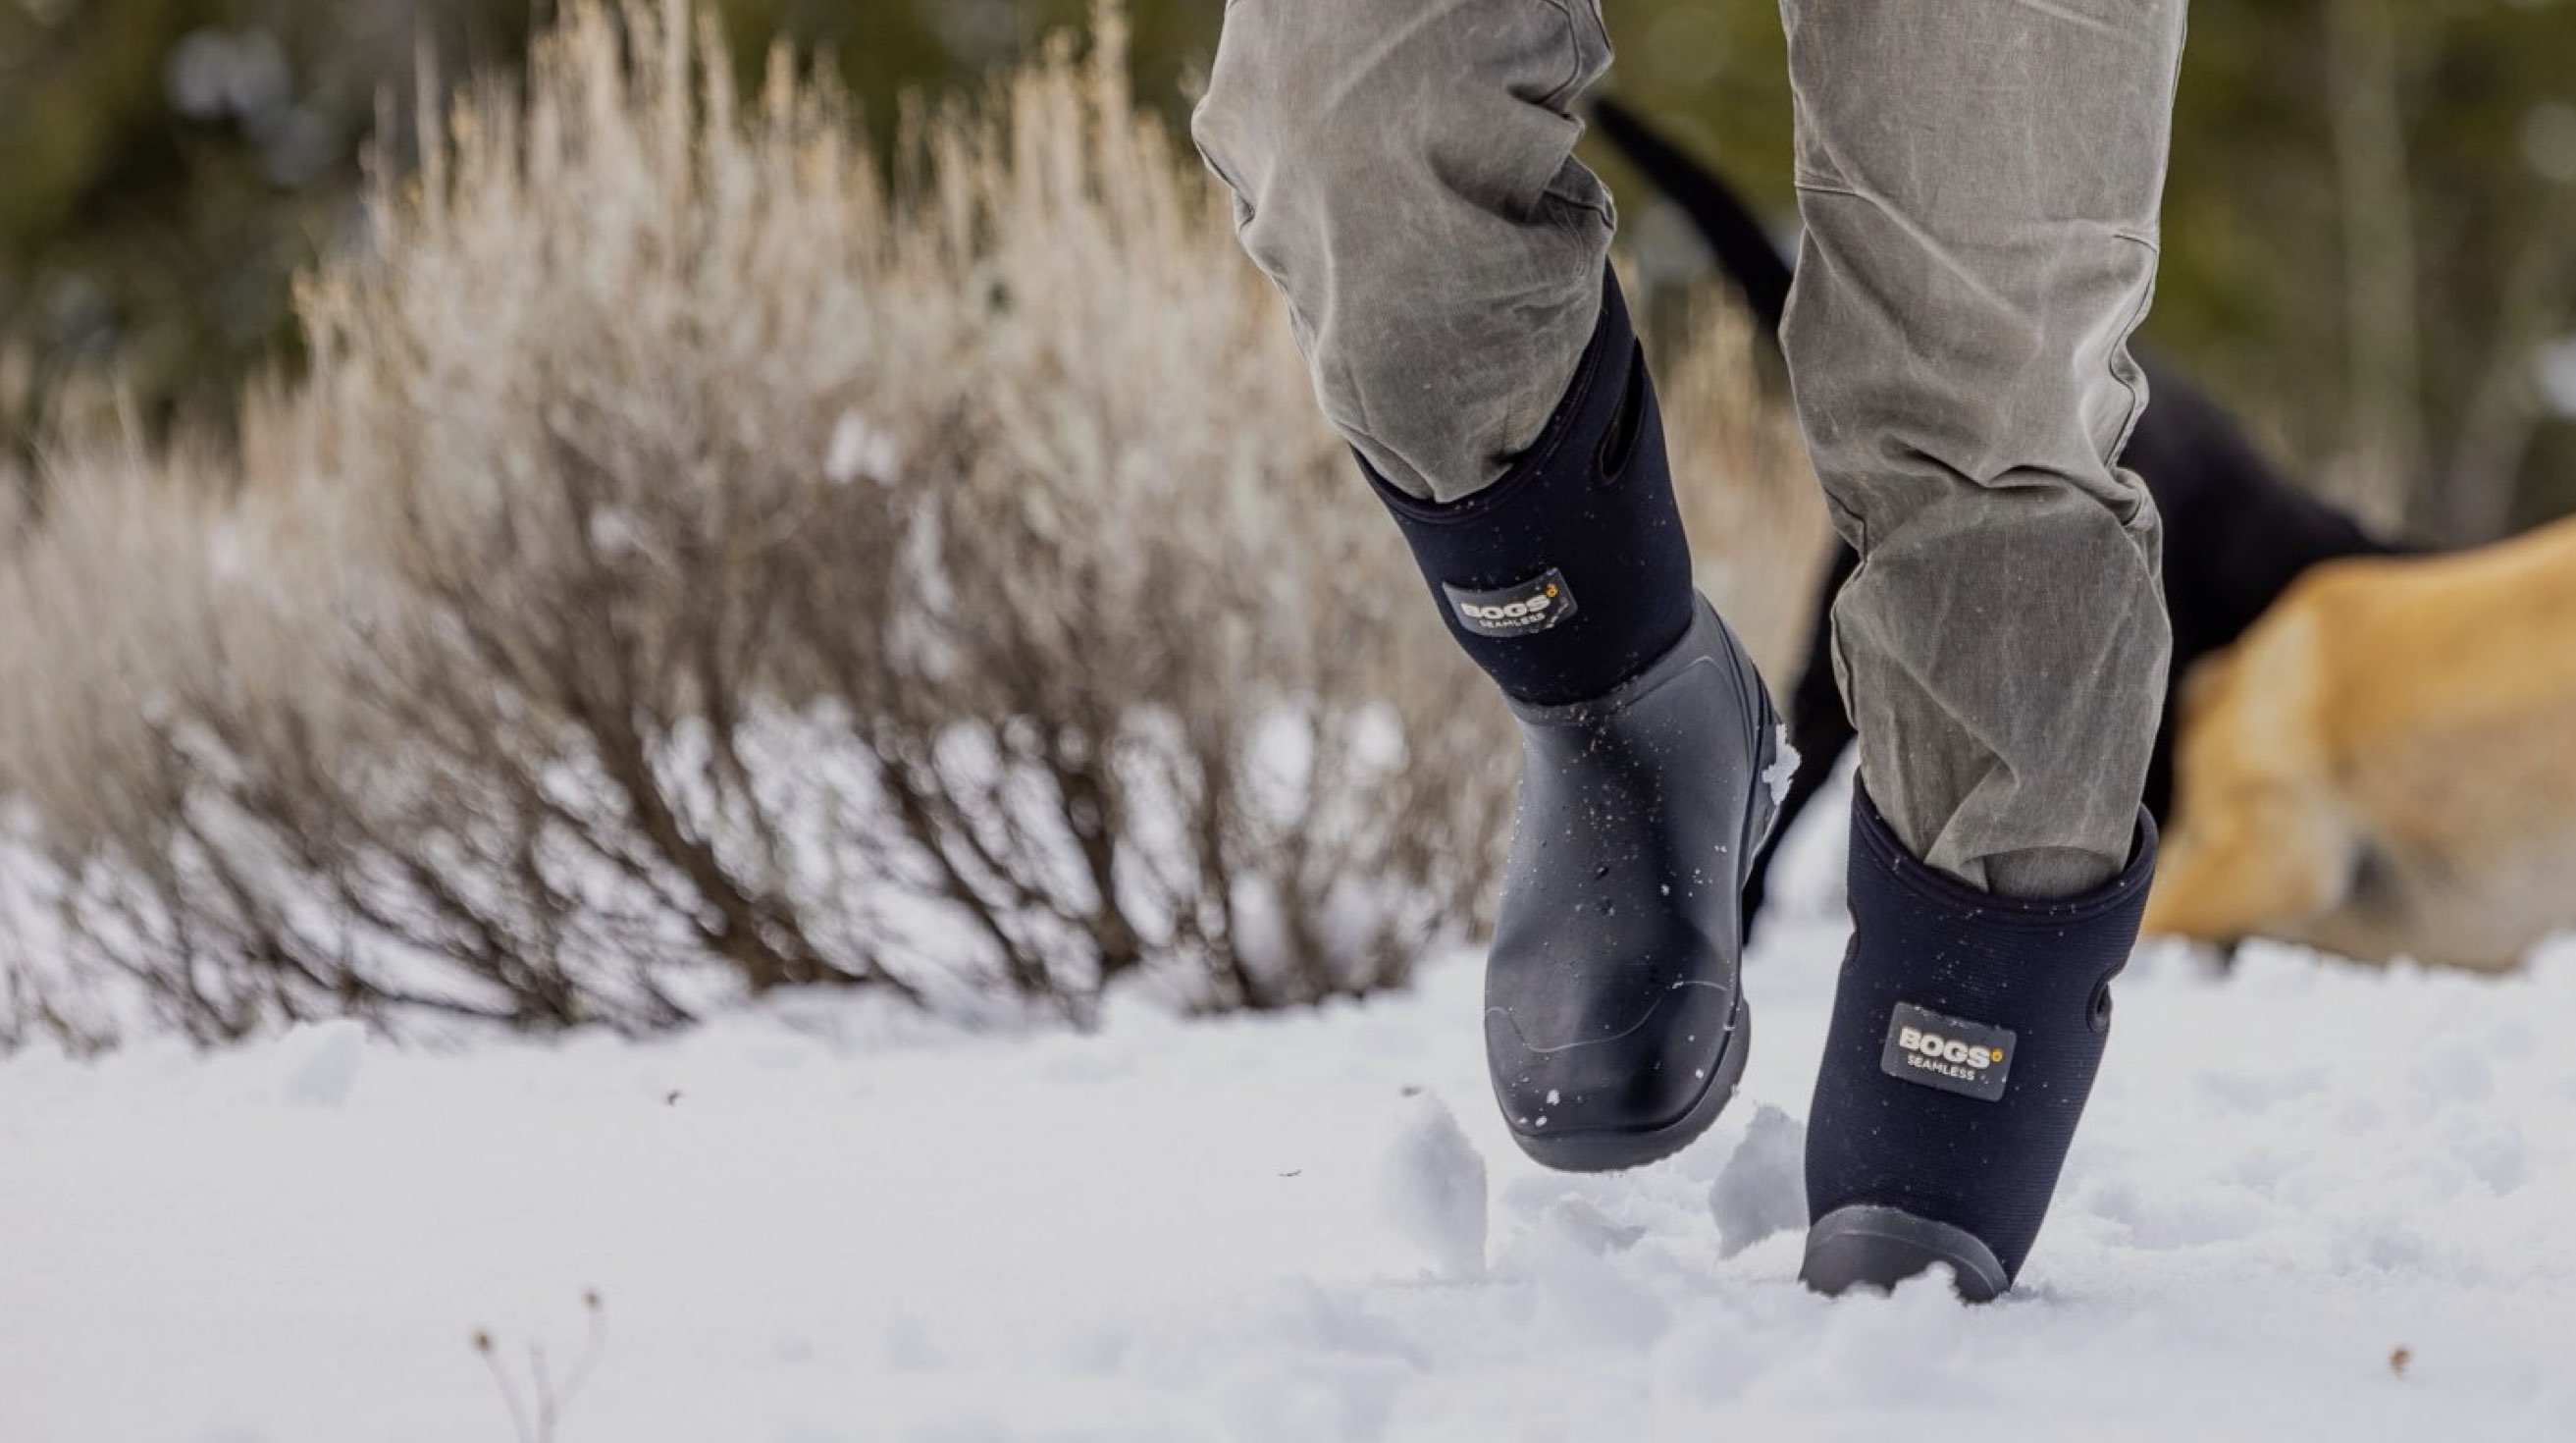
(1746, 254)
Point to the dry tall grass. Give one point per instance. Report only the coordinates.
(696, 565)
(1748, 493)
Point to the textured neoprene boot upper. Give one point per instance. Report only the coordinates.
(1614, 1026)
(1966, 1035)
(1570, 573)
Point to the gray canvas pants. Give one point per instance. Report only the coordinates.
(1980, 182)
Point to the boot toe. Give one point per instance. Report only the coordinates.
(1632, 1094)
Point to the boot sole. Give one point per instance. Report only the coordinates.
(1880, 1247)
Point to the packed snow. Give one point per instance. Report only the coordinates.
(2312, 1201)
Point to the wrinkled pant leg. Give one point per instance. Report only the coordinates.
(1404, 171)
(1980, 182)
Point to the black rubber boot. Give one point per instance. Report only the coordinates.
(1614, 1025)
(1964, 1043)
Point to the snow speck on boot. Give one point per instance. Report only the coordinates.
(1783, 771)
(1432, 1187)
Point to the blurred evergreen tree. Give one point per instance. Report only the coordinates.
(167, 165)
(2367, 240)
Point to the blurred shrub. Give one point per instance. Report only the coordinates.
(694, 566)
(1749, 496)
(693, 569)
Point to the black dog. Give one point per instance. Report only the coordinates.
(2237, 532)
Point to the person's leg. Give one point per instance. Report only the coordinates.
(1980, 181)
(1404, 171)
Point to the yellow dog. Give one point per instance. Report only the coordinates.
(2385, 765)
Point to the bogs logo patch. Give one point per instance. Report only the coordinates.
(1950, 1053)
(1536, 605)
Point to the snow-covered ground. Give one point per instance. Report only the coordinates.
(2313, 1201)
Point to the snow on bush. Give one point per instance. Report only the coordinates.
(697, 564)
